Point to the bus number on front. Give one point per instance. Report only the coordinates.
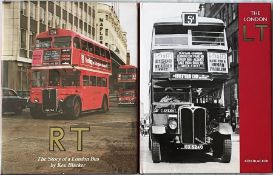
(190, 19)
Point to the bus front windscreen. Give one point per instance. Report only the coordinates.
(209, 35)
(165, 92)
(60, 42)
(43, 43)
(39, 78)
(127, 85)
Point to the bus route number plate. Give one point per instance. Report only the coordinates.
(190, 19)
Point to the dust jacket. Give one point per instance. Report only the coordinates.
(209, 80)
(91, 87)
(69, 87)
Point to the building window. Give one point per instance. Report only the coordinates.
(23, 78)
(57, 22)
(32, 41)
(32, 11)
(223, 14)
(93, 32)
(234, 11)
(42, 15)
(76, 8)
(50, 19)
(23, 39)
(93, 13)
(63, 24)
(75, 21)
(106, 32)
(106, 44)
(23, 8)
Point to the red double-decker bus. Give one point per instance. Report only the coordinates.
(70, 74)
(127, 85)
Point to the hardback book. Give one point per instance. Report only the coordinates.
(92, 87)
(207, 68)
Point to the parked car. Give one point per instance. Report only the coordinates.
(12, 102)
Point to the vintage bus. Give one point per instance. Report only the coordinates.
(70, 74)
(127, 85)
(189, 68)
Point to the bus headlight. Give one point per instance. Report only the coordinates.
(172, 124)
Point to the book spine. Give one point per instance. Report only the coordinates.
(255, 86)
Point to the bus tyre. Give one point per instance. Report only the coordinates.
(19, 110)
(75, 111)
(104, 106)
(216, 147)
(150, 144)
(36, 113)
(227, 147)
(156, 153)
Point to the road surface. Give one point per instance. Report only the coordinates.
(185, 162)
(111, 145)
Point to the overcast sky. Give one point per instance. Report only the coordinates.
(149, 13)
(128, 20)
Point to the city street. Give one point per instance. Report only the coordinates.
(111, 145)
(185, 162)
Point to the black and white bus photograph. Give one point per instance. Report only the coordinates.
(189, 120)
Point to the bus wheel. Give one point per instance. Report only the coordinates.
(19, 110)
(226, 144)
(75, 111)
(104, 105)
(150, 144)
(36, 113)
(156, 153)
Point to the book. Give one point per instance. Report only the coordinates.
(209, 85)
(69, 89)
(135, 87)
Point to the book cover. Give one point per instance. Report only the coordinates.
(69, 87)
(206, 92)
(93, 87)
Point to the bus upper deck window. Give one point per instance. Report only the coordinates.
(131, 70)
(84, 45)
(97, 50)
(107, 54)
(43, 43)
(76, 43)
(60, 42)
(171, 35)
(91, 47)
(102, 52)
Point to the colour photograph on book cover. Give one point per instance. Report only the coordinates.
(189, 88)
(69, 87)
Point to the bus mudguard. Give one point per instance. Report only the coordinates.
(224, 129)
(69, 101)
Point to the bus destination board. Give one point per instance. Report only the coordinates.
(217, 62)
(190, 60)
(163, 62)
(51, 57)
